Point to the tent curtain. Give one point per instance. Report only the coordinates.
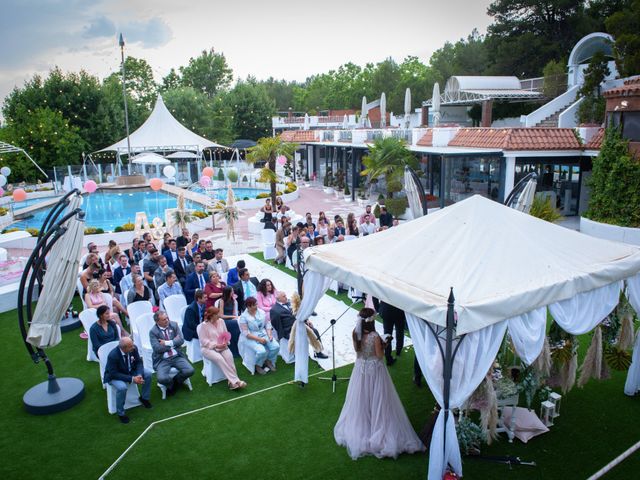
(581, 313)
(632, 385)
(315, 285)
(473, 359)
(528, 332)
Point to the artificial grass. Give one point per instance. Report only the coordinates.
(285, 432)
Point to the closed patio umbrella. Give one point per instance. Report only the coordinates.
(150, 158)
(415, 194)
(383, 110)
(435, 104)
(364, 112)
(59, 283)
(407, 108)
(305, 125)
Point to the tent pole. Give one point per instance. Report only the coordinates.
(448, 364)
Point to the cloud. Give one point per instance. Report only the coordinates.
(152, 33)
(100, 27)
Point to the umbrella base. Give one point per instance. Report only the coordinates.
(69, 323)
(53, 396)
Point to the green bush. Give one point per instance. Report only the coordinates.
(93, 230)
(118, 229)
(200, 214)
(376, 211)
(34, 232)
(396, 206)
(245, 198)
(9, 230)
(542, 208)
(221, 175)
(28, 190)
(232, 175)
(346, 189)
(128, 227)
(291, 186)
(245, 179)
(263, 195)
(3, 211)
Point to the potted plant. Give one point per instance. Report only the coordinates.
(328, 180)
(347, 193)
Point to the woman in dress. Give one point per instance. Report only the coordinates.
(228, 306)
(280, 204)
(266, 297)
(192, 246)
(213, 288)
(268, 214)
(216, 350)
(323, 228)
(94, 299)
(104, 330)
(139, 292)
(373, 420)
(259, 336)
(352, 228)
(107, 287)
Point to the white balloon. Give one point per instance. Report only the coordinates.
(3, 180)
(169, 171)
(6, 171)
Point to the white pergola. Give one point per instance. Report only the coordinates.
(467, 90)
(8, 148)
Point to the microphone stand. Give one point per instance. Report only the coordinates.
(334, 378)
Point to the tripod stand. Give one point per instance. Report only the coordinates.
(334, 378)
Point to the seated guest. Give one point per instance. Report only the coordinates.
(395, 222)
(107, 287)
(120, 271)
(213, 289)
(386, 220)
(149, 267)
(280, 204)
(201, 248)
(259, 337)
(181, 265)
(129, 252)
(90, 272)
(126, 283)
(352, 228)
(215, 349)
(245, 288)
(318, 241)
(339, 230)
(160, 273)
(170, 287)
(282, 320)
(366, 212)
(323, 228)
(140, 253)
(229, 313)
(94, 299)
(166, 339)
(322, 216)
(192, 246)
(218, 264)
(194, 261)
(197, 280)
(165, 242)
(209, 253)
(104, 330)
(305, 242)
(171, 254)
(139, 292)
(266, 296)
(124, 366)
(310, 225)
(367, 228)
(232, 277)
(193, 316)
(331, 237)
(184, 239)
(92, 248)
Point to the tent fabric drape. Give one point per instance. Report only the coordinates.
(59, 283)
(632, 385)
(528, 332)
(473, 359)
(581, 313)
(315, 285)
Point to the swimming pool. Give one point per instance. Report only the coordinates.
(107, 210)
(239, 192)
(27, 203)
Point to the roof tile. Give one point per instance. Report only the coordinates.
(299, 136)
(596, 141)
(517, 138)
(427, 139)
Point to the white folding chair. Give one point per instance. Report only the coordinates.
(269, 244)
(163, 388)
(80, 292)
(88, 317)
(123, 295)
(287, 356)
(108, 300)
(210, 370)
(173, 305)
(193, 350)
(247, 354)
(144, 323)
(133, 394)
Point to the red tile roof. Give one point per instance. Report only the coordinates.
(630, 87)
(299, 136)
(427, 139)
(596, 141)
(517, 138)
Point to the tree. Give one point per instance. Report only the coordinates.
(139, 81)
(624, 25)
(267, 150)
(48, 138)
(592, 107)
(191, 108)
(208, 73)
(280, 91)
(251, 108)
(387, 158)
(171, 81)
(555, 78)
(615, 197)
(466, 57)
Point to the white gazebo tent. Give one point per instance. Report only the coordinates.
(504, 267)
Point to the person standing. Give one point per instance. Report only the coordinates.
(392, 317)
(373, 420)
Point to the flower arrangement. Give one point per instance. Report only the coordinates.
(470, 436)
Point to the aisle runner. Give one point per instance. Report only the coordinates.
(327, 309)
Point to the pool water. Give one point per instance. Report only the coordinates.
(107, 210)
(221, 193)
(28, 203)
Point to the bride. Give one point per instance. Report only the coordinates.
(373, 421)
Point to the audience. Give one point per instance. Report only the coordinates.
(213, 289)
(245, 287)
(259, 337)
(170, 287)
(266, 296)
(104, 330)
(120, 272)
(218, 263)
(228, 306)
(184, 239)
(139, 292)
(193, 316)
(197, 280)
(181, 265)
(171, 254)
(232, 276)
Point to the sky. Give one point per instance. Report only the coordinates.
(290, 39)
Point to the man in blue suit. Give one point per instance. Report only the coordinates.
(198, 279)
(193, 316)
(120, 272)
(232, 276)
(172, 254)
(124, 366)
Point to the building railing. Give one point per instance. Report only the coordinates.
(345, 136)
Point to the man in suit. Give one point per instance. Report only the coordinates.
(181, 265)
(386, 219)
(184, 239)
(392, 317)
(193, 316)
(282, 319)
(232, 277)
(197, 280)
(124, 366)
(218, 263)
(194, 261)
(172, 254)
(120, 272)
(246, 287)
(160, 274)
(166, 339)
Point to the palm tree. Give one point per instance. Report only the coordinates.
(267, 150)
(387, 158)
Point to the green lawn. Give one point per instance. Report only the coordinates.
(284, 432)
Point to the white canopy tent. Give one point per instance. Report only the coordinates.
(504, 268)
(161, 131)
(149, 158)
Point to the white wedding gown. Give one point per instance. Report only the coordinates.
(373, 420)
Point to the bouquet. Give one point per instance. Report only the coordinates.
(224, 338)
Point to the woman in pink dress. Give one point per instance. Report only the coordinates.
(216, 349)
(373, 420)
(266, 296)
(94, 299)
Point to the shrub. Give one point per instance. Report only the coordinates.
(7, 193)
(245, 179)
(376, 211)
(93, 230)
(200, 214)
(128, 227)
(118, 229)
(34, 232)
(9, 230)
(346, 189)
(232, 175)
(3, 211)
(263, 195)
(278, 193)
(292, 186)
(542, 208)
(397, 206)
(28, 190)
(245, 198)
(221, 175)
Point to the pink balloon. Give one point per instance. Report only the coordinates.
(90, 186)
(281, 159)
(19, 195)
(156, 184)
(1, 191)
(208, 172)
(205, 180)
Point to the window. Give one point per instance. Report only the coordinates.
(631, 126)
